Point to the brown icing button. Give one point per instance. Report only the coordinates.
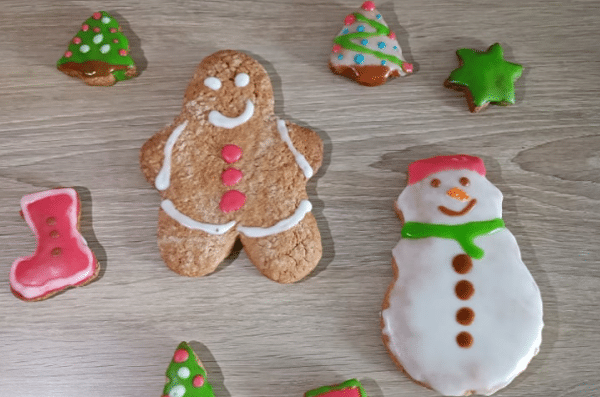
(464, 339)
(465, 316)
(464, 289)
(462, 263)
(56, 251)
(51, 221)
(54, 234)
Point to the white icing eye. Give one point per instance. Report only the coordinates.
(242, 80)
(213, 83)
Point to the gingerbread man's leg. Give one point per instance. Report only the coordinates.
(191, 252)
(288, 256)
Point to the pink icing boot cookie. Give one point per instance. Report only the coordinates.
(463, 315)
(62, 258)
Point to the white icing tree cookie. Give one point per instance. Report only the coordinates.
(366, 50)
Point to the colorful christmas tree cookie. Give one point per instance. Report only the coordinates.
(366, 50)
(350, 388)
(62, 258)
(186, 375)
(485, 77)
(99, 53)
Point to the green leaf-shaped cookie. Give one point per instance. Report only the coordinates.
(99, 53)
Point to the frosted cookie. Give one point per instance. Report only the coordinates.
(228, 168)
(350, 388)
(62, 258)
(463, 315)
(366, 50)
(485, 77)
(186, 376)
(99, 53)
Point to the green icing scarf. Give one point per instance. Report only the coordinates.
(464, 234)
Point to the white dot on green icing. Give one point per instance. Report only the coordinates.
(105, 48)
(98, 38)
(177, 391)
(84, 48)
(105, 19)
(183, 372)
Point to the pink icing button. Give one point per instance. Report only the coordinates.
(76, 40)
(231, 176)
(408, 67)
(337, 48)
(231, 153)
(198, 381)
(368, 6)
(349, 20)
(85, 27)
(232, 200)
(122, 52)
(181, 355)
(392, 35)
(97, 15)
(68, 54)
(96, 29)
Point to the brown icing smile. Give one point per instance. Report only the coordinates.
(450, 212)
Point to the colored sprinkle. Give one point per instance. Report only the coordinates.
(368, 6)
(349, 20)
(364, 42)
(177, 391)
(359, 58)
(105, 48)
(113, 30)
(180, 356)
(381, 45)
(378, 16)
(76, 40)
(97, 29)
(383, 62)
(85, 27)
(98, 39)
(336, 48)
(396, 47)
(115, 40)
(340, 57)
(97, 15)
(105, 20)
(392, 35)
(68, 54)
(408, 67)
(345, 31)
(183, 372)
(122, 52)
(84, 48)
(198, 381)
(361, 28)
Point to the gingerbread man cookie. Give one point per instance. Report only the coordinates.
(464, 315)
(228, 168)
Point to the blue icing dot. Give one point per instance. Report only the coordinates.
(378, 16)
(381, 45)
(360, 28)
(364, 42)
(359, 59)
(345, 31)
(396, 47)
(340, 57)
(383, 62)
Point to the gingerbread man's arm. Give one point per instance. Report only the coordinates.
(152, 154)
(308, 143)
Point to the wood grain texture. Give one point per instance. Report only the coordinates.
(257, 338)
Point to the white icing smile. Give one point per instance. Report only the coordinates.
(217, 119)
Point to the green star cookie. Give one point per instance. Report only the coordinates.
(485, 77)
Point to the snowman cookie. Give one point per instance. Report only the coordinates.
(463, 315)
(228, 168)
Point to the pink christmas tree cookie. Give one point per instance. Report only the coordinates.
(350, 388)
(186, 376)
(99, 53)
(366, 50)
(62, 258)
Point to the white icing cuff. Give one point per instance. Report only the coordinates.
(169, 208)
(300, 159)
(281, 226)
(217, 119)
(162, 180)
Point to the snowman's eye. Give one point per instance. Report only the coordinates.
(242, 80)
(435, 182)
(464, 181)
(213, 83)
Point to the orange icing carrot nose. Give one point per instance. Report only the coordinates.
(459, 194)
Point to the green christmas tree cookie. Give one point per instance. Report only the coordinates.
(99, 53)
(485, 77)
(186, 375)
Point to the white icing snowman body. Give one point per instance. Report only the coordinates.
(458, 324)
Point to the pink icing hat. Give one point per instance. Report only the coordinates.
(422, 168)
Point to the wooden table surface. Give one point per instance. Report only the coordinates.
(116, 336)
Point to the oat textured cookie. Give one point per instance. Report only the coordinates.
(464, 315)
(228, 168)
(62, 258)
(366, 50)
(99, 52)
